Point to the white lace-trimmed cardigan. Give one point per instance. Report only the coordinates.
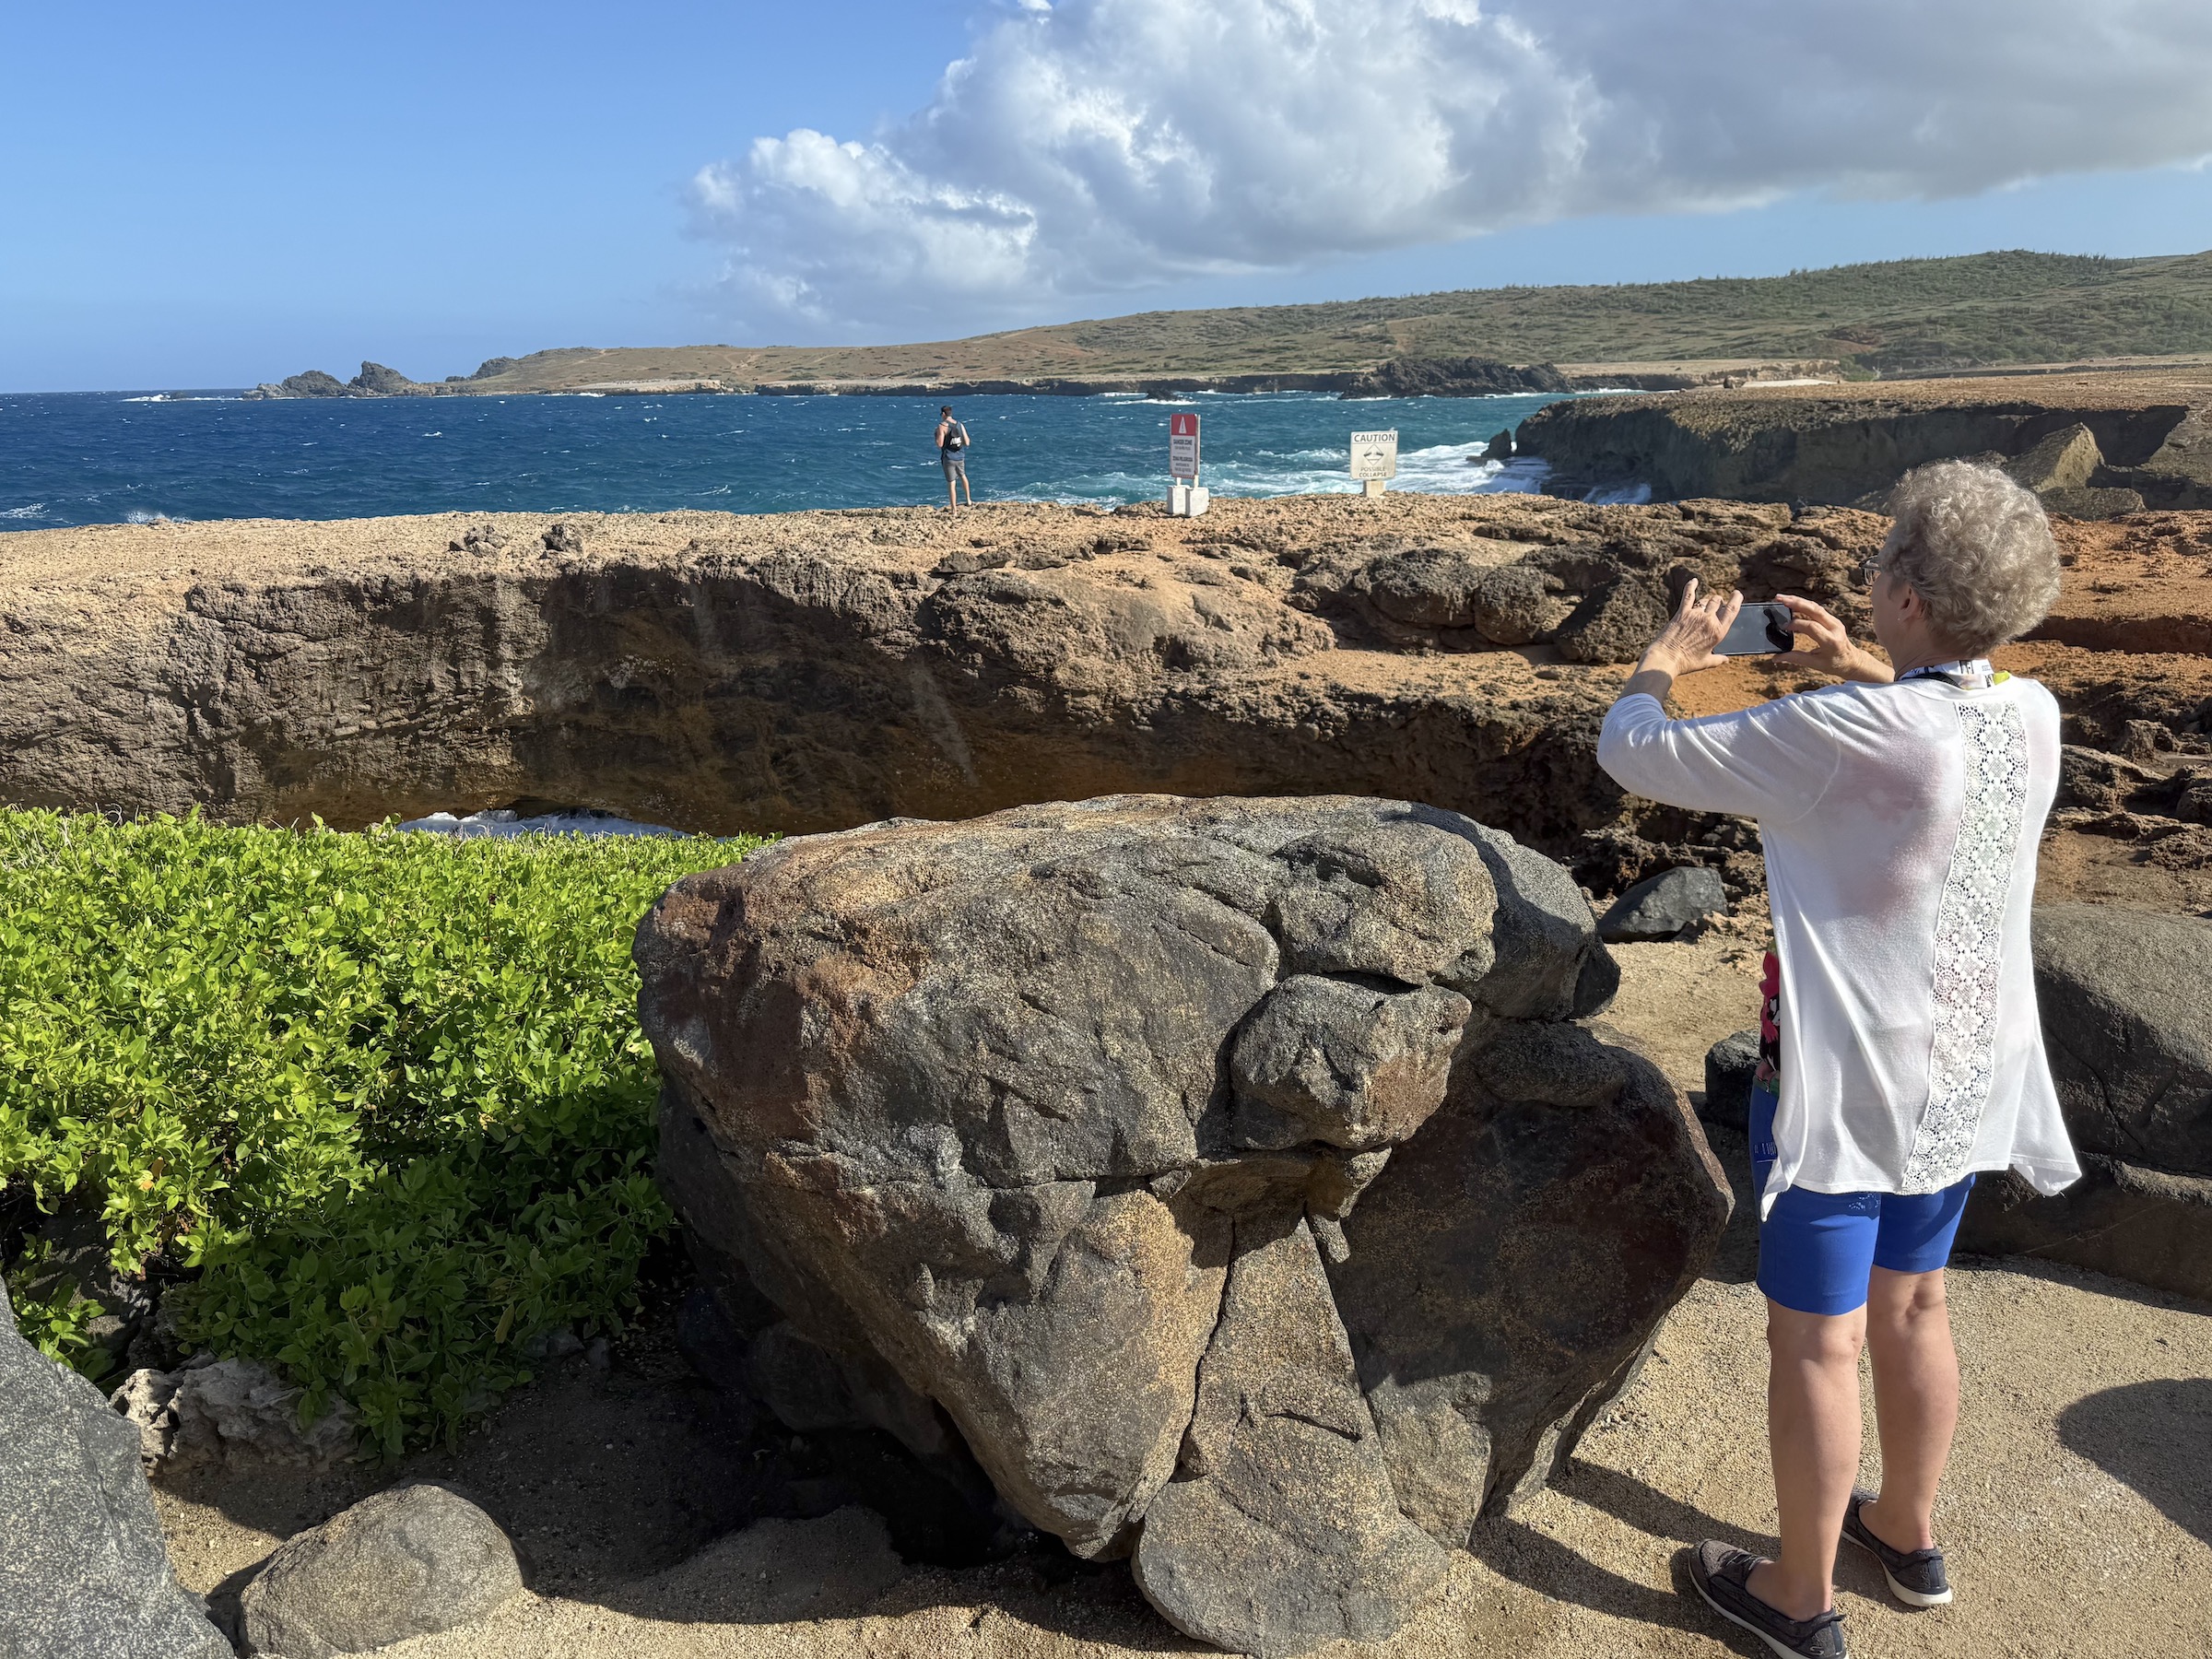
(1900, 824)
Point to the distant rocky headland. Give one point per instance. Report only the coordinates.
(1399, 377)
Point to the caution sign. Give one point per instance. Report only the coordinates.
(1183, 446)
(1375, 456)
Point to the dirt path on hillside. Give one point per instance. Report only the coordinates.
(2078, 1514)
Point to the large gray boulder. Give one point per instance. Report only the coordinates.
(2146, 1226)
(410, 1562)
(2128, 1029)
(84, 1571)
(2128, 1026)
(1140, 1146)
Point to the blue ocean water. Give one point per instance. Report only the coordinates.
(79, 458)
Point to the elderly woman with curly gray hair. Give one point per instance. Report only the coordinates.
(1900, 811)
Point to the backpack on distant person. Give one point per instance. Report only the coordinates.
(956, 439)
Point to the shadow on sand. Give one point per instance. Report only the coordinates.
(2155, 1437)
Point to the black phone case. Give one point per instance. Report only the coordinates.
(1757, 630)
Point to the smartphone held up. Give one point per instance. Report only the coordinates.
(1757, 630)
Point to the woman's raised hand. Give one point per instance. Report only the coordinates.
(1685, 644)
(1823, 645)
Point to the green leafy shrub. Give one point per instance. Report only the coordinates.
(387, 1093)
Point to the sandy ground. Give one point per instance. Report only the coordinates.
(2078, 1514)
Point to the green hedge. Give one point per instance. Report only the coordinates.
(386, 1092)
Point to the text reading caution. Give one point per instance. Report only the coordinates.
(1375, 455)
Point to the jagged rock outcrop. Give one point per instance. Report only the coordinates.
(1454, 377)
(1231, 1177)
(2066, 460)
(2062, 469)
(813, 671)
(2151, 437)
(373, 380)
(376, 381)
(1594, 599)
(2126, 1024)
(313, 383)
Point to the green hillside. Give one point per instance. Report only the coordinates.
(1982, 310)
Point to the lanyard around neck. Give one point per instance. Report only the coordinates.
(1969, 674)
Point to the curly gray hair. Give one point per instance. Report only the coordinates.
(1977, 549)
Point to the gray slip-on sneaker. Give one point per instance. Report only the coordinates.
(1916, 1576)
(1719, 1571)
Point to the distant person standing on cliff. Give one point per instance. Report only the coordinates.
(952, 454)
(1900, 1049)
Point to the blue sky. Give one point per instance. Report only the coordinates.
(230, 193)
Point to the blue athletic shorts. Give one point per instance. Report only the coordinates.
(1816, 1249)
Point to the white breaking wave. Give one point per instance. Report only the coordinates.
(1619, 495)
(1447, 469)
(1441, 469)
(36, 509)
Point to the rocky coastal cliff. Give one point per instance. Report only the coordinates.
(813, 671)
(804, 672)
(2125, 442)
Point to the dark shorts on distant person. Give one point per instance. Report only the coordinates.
(955, 463)
(1818, 1250)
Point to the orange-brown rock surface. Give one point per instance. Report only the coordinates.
(813, 671)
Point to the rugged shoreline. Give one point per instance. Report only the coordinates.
(2148, 444)
(810, 671)
(817, 670)
(1415, 377)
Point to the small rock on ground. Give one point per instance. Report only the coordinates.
(1664, 905)
(410, 1562)
(1729, 1066)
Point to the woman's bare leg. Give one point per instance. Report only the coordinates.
(1813, 1436)
(1915, 1400)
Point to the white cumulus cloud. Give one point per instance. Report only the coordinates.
(1097, 147)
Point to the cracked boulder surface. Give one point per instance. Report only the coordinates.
(2120, 993)
(1241, 1185)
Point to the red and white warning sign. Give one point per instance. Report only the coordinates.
(1183, 446)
